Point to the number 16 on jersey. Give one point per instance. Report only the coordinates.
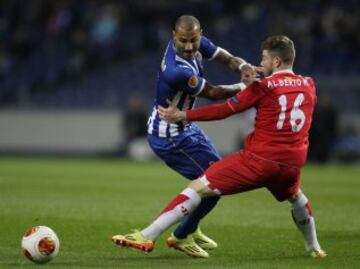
(297, 116)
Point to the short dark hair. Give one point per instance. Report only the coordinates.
(187, 23)
(281, 46)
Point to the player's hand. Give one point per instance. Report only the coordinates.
(171, 113)
(259, 70)
(248, 73)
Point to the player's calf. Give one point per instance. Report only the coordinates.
(302, 215)
(178, 209)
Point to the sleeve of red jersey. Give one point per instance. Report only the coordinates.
(244, 100)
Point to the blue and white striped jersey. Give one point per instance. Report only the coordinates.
(179, 80)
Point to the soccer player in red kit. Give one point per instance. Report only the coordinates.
(274, 152)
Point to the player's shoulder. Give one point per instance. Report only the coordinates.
(178, 72)
(207, 48)
(269, 81)
(261, 83)
(206, 41)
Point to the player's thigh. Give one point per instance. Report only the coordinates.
(286, 184)
(187, 154)
(239, 172)
(199, 149)
(201, 139)
(194, 155)
(166, 150)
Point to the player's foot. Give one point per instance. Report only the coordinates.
(187, 245)
(134, 240)
(203, 241)
(318, 254)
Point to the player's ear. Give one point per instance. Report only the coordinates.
(174, 33)
(277, 61)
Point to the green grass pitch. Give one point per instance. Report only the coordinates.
(86, 201)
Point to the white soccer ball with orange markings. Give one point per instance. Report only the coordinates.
(40, 244)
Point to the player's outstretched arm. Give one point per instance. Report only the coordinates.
(241, 102)
(220, 92)
(231, 61)
(236, 64)
(205, 113)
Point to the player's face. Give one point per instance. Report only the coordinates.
(269, 62)
(187, 43)
(266, 62)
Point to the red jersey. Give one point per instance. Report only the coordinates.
(284, 103)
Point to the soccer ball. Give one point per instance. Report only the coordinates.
(40, 244)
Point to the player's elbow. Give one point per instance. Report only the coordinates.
(212, 93)
(215, 95)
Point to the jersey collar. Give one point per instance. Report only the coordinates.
(283, 71)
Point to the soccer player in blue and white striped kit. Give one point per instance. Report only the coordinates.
(183, 146)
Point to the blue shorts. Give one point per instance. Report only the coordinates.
(190, 153)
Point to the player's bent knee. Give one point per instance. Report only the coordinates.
(295, 196)
(201, 188)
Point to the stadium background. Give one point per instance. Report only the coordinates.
(77, 79)
(71, 70)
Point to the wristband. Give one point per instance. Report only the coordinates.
(242, 86)
(234, 87)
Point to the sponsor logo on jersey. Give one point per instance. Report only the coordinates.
(193, 82)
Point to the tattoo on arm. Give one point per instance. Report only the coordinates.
(229, 60)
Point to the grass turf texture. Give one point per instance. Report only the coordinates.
(86, 201)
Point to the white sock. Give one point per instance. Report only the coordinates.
(302, 215)
(178, 209)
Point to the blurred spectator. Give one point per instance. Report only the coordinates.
(324, 130)
(134, 126)
(22, 43)
(59, 22)
(135, 118)
(104, 32)
(79, 52)
(5, 64)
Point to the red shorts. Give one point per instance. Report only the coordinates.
(244, 171)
